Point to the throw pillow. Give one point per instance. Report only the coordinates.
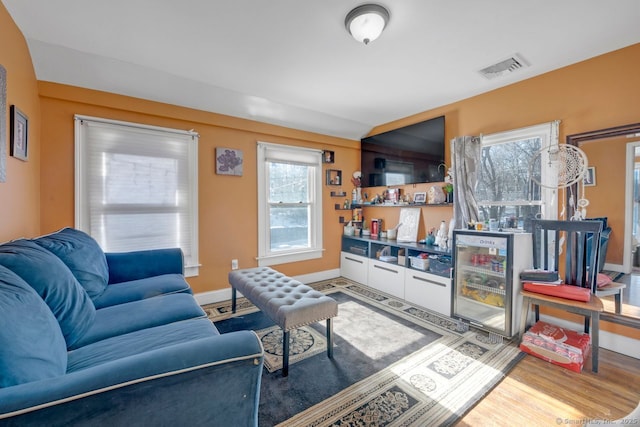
(82, 254)
(32, 347)
(54, 282)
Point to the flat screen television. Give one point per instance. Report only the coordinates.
(408, 155)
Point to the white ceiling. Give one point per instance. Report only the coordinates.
(292, 63)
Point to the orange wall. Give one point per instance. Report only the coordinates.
(20, 194)
(227, 204)
(598, 93)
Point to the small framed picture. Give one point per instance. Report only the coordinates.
(19, 133)
(420, 197)
(590, 177)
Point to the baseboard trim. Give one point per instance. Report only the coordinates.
(211, 297)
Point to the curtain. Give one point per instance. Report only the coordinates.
(465, 161)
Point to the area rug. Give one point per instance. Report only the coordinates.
(304, 342)
(394, 364)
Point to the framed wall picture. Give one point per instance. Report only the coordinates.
(420, 197)
(590, 177)
(3, 124)
(229, 161)
(19, 133)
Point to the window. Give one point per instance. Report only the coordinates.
(508, 188)
(136, 187)
(289, 204)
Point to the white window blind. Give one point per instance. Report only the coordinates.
(136, 186)
(289, 204)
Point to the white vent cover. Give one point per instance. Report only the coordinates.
(506, 66)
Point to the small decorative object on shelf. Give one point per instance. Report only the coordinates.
(328, 156)
(334, 177)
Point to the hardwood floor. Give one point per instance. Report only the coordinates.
(538, 393)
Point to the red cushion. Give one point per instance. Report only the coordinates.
(563, 291)
(603, 280)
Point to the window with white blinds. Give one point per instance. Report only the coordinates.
(289, 204)
(136, 186)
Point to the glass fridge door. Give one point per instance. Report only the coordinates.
(482, 287)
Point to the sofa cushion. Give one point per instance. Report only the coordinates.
(82, 254)
(32, 347)
(138, 315)
(120, 293)
(139, 342)
(54, 282)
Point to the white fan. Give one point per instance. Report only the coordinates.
(570, 166)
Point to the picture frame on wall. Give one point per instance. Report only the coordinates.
(3, 124)
(229, 161)
(19, 134)
(590, 177)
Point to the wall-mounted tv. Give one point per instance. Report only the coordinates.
(408, 155)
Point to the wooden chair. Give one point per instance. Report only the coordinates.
(564, 243)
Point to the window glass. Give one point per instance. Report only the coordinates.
(289, 204)
(508, 193)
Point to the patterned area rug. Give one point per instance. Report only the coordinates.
(394, 364)
(303, 342)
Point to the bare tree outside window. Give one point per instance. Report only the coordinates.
(505, 191)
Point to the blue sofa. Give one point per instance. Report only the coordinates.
(89, 338)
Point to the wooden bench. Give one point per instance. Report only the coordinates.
(289, 303)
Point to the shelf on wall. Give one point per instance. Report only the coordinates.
(334, 177)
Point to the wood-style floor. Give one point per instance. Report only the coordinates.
(538, 393)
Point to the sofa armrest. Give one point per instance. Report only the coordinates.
(210, 381)
(126, 266)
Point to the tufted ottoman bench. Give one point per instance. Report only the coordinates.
(288, 302)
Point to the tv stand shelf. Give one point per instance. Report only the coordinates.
(404, 205)
(360, 261)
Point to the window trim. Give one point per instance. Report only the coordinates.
(548, 133)
(265, 256)
(81, 186)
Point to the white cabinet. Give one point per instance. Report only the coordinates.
(386, 277)
(354, 267)
(430, 289)
(427, 290)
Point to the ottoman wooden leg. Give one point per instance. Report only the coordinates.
(285, 353)
(329, 338)
(233, 299)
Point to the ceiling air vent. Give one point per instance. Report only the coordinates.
(504, 67)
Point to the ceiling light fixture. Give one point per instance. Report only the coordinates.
(366, 22)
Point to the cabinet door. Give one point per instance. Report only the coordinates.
(387, 277)
(428, 290)
(354, 267)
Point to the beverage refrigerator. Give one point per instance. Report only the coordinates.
(486, 282)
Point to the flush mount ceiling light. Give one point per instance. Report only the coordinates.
(366, 22)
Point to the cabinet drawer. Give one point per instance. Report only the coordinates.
(429, 291)
(354, 267)
(386, 277)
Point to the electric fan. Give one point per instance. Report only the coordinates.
(568, 165)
